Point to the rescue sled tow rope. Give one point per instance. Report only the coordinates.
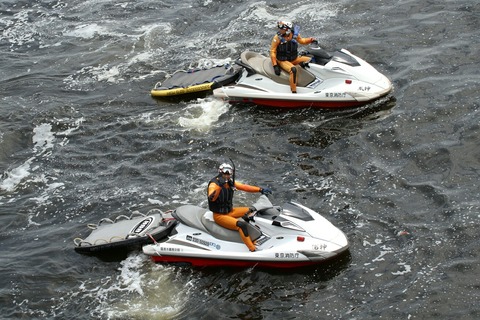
(155, 244)
(167, 219)
(151, 237)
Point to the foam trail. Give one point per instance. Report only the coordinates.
(202, 114)
(43, 139)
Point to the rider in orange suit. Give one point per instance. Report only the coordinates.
(284, 51)
(220, 202)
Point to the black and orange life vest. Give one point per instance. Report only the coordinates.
(224, 202)
(287, 50)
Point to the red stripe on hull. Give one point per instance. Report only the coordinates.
(203, 262)
(301, 104)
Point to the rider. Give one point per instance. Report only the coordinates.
(284, 51)
(220, 202)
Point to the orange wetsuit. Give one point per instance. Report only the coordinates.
(291, 61)
(220, 189)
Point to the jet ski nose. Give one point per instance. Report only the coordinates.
(317, 255)
(384, 83)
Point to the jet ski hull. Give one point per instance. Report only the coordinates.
(229, 263)
(290, 104)
(343, 81)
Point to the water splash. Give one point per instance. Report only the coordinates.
(138, 290)
(202, 114)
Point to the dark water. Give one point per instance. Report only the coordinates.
(81, 139)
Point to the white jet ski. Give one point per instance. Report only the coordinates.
(337, 80)
(286, 237)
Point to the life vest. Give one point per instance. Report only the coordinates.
(287, 50)
(224, 202)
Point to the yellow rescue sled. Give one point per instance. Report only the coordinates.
(193, 81)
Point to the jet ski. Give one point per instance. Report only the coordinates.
(287, 236)
(330, 80)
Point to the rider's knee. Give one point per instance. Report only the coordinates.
(244, 226)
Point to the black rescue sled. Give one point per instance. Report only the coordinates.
(196, 81)
(124, 233)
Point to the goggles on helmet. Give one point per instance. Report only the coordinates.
(284, 25)
(225, 169)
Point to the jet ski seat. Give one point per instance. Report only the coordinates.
(263, 65)
(190, 215)
(222, 233)
(202, 219)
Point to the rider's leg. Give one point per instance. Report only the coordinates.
(287, 66)
(230, 221)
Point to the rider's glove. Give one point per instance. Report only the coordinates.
(314, 41)
(304, 65)
(277, 70)
(247, 218)
(265, 191)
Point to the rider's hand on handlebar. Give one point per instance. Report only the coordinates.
(265, 191)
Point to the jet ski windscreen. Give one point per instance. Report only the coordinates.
(292, 210)
(341, 57)
(262, 203)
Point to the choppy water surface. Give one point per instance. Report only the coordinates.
(81, 139)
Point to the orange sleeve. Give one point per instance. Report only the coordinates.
(304, 40)
(246, 187)
(213, 191)
(273, 49)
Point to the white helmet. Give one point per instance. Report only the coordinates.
(225, 168)
(285, 25)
